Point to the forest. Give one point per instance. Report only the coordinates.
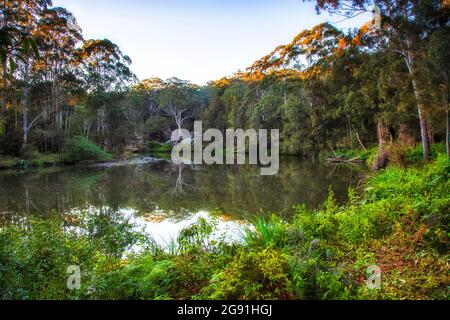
(326, 90)
(377, 95)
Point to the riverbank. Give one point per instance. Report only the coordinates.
(399, 154)
(55, 160)
(398, 223)
(81, 151)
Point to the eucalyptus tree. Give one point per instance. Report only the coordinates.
(181, 100)
(26, 14)
(106, 73)
(405, 27)
(16, 41)
(105, 67)
(439, 57)
(18, 50)
(58, 35)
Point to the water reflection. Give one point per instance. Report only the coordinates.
(165, 195)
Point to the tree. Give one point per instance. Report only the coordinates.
(406, 25)
(105, 66)
(439, 56)
(181, 100)
(58, 36)
(16, 40)
(27, 13)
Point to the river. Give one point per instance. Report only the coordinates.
(164, 198)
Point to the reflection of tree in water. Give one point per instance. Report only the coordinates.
(50, 192)
(180, 184)
(175, 191)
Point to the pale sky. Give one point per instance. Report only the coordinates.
(196, 40)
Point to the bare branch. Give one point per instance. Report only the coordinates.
(35, 120)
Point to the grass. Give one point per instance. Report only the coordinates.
(399, 223)
(415, 154)
(402, 155)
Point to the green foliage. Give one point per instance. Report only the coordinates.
(137, 278)
(157, 148)
(30, 160)
(315, 278)
(267, 232)
(81, 149)
(34, 266)
(156, 126)
(195, 237)
(20, 164)
(253, 274)
(2, 126)
(415, 155)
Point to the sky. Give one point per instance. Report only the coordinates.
(196, 40)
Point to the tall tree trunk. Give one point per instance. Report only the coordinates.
(26, 92)
(382, 133)
(423, 123)
(55, 104)
(285, 95)
(5, 24)
(411, 63)
(447, 134)
(4, 90)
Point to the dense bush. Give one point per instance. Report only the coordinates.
(80, 149)
(157, 148)
(414, 155)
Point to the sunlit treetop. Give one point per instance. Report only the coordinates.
(57, 35)
(311, 45)
(105, 65)
(257, 76)
(149, 84)
(155, 83)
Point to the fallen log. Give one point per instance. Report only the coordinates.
(341, 159)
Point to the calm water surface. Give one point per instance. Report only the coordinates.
(163, 198)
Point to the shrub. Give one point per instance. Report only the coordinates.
(366, 156)
(30, 159)
(34, 266)
(157, 148)
(196, 237)
(314, 278)
(138, 277)
(267, 232)
(80, 149)
(415, 154)
(252, 275)
(20, 164)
